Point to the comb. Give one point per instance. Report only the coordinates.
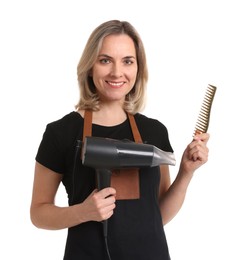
(204, 114)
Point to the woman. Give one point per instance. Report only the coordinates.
(112, 76)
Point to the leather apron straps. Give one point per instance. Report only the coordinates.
(125, 181)
(87, 131)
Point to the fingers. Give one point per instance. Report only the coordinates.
(198, 150)
(201, 136)
(101, 204)
(106, 192)
(105, 202)
(196, 153)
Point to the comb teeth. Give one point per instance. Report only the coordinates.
(204, 115)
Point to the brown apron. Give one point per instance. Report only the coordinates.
(125, 181)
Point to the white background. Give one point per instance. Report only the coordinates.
(189, 44)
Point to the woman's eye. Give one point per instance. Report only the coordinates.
(128, 62)
(104, 61)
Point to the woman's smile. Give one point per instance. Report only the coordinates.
(115, 84)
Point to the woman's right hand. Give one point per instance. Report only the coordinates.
(99, 205)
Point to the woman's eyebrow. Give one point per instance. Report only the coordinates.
(108, 56)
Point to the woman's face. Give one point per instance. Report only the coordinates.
(115, 70)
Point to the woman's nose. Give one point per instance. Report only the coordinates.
(116, 70)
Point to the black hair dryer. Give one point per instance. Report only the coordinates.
(105, 154)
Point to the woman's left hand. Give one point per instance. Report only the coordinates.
(196, 153)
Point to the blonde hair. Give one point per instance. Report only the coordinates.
(135, 99)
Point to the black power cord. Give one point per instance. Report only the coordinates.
(105, 230)
(77, 149)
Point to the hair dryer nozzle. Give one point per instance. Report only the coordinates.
(109, 153)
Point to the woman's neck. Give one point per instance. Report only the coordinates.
(107, 115)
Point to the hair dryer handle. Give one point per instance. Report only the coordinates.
(103, 178)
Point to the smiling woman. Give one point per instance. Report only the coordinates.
(97, 50)
(112, 76)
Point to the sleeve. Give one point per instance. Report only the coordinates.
(154, 132)
(50, 152)
(160, 136)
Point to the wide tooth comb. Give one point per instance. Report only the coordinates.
(204, 115)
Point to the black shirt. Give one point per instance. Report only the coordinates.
(135, 231)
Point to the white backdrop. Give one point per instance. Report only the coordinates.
(189, 45)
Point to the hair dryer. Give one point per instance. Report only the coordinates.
(105, 154)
